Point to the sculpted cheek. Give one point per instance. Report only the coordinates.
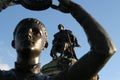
(38, 45)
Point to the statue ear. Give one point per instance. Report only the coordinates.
(46, 44)
(13, 43)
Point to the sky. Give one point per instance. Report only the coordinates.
(106, 12)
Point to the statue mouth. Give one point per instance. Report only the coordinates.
(27, 43)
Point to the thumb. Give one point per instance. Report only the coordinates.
(65, 2)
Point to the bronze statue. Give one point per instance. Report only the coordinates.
(64, 42)
(30, 38)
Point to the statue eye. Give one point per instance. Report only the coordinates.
(36, 31)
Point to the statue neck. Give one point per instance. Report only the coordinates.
(28, 60)
(27, 69)
(28, 65)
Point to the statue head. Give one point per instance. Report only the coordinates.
(30, 37)
(60, 27)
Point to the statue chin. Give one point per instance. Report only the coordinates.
(37, 5)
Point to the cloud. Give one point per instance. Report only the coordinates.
(4, 67)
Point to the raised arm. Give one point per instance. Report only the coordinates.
(101, 46)
(6, 3)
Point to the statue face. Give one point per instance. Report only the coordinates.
(29, 38)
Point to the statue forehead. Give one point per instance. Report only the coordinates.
(29, 23)
(29, 26)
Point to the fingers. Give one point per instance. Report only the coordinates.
(64, 2)
(54, 6)
(64, 6)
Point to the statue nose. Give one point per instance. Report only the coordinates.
(30, 34)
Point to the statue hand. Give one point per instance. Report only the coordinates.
(64, 6)
(65, 2)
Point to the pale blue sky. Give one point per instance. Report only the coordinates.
(106, 12)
